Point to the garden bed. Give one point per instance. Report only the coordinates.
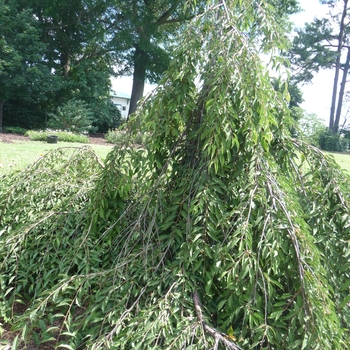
(97, 139)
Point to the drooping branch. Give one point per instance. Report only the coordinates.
(218, 336)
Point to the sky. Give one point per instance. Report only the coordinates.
(124, 84)
(317, 95)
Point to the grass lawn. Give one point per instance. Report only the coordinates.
(343, 159)
(17, 155)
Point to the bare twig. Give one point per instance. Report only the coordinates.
(210, 330)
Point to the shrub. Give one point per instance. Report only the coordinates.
(73, 116)
(108, 118)
(120, 136)
(140, 138)
(310, 127)
(63, 136)
(116, 136)
(346, 134)
(332, 142)
(15, 130)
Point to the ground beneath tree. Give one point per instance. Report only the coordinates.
(97, 139)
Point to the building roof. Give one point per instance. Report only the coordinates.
(120, 95)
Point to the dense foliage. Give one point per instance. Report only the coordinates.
(221, 232)
(54, 51)
(73, 116)
(22, 72)
(122, 136)
(331, 142)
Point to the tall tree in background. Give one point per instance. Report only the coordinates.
(83, 39)
(343, 42)
(75, 33)
(74, 53)
(322, 44)
(143, 30)
(72, 29)
(22, 72)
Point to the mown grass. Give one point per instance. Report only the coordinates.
(18, 155)
(343, 159)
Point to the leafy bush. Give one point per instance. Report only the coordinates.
(63, 136)
(140, 138)
(23, 113)
(120, 136)
(110, 119)
(60, 181)
(73, 116)
(310, 127)
(331, 142)
(346, 134)
(116, 136)
(15, 130)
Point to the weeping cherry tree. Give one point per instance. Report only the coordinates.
(222, 232)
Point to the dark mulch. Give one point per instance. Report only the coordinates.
(10, 138)
(99, 139)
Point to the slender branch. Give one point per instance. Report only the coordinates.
(178, 20)
(210, 330)
(164, 17)
(125, 313)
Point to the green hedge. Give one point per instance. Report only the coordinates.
(63, 136)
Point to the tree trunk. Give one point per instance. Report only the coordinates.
(342, 92)
(1, 109)
(337, 68)
(65, 63)
(139, 77)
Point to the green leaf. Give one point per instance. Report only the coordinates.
(15, 343)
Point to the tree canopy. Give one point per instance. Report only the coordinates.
(22, 73)
(72, 47)
(221, 232)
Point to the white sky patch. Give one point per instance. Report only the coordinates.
(124, 84)
(318, 95)
(312, 9)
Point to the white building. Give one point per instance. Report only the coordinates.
(122, 101)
